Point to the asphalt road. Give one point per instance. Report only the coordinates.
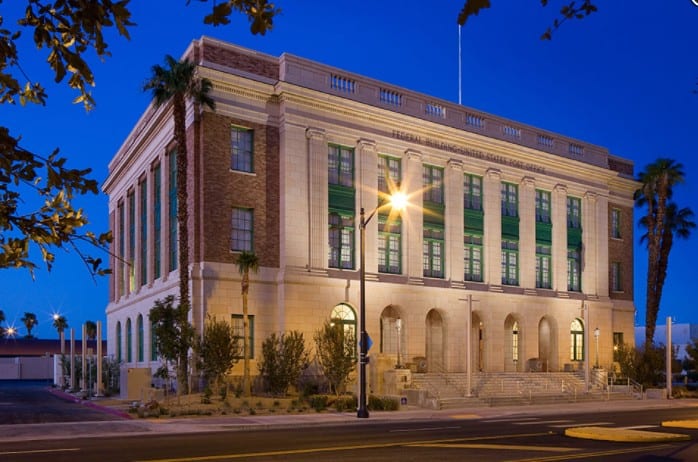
(454, 436)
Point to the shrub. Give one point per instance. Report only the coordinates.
(345, 403)
(283, 360)
(383, 403)
(318, 402)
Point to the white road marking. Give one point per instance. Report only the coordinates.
(425, 429)
(585, 424)
(542, 422)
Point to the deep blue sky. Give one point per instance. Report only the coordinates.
(622, 78)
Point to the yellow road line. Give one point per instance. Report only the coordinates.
(586, 455)
(514, 447)
(338, 448)
(39, 451)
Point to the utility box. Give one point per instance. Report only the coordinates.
(135, 383)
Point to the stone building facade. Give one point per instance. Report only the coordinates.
(516, 244)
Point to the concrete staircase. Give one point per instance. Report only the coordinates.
(449, 390)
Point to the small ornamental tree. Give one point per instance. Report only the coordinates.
(218, 350)
(283, 359)
(174, 336)
(335, 349)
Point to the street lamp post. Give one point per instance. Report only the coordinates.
(397, 201)
(398, 327)
(597, 333)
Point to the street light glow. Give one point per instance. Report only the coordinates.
(398, 201)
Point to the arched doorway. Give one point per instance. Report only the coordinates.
(392, 330)
(545, 344)
(345, 316)
(435, 340)
(477, 343)
(512, 344)
(577, 341)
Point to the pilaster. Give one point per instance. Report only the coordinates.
(317, 200)
(413, 216)
(492, 206)
(559, 238)
(590, 238)
(527, 233)
(367, 197)
(453, 188)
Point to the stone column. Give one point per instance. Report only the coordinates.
(492, 245)
(413, 216)
(454, 224)
(367, 197)
(559, 237)
(590, 237)
(527, 233)
(317, 200)
(602, 233)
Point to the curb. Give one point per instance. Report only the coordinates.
(624, 435)
(92, 405)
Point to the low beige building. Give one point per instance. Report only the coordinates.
(516, 246)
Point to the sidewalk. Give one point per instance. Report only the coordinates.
(137, 426)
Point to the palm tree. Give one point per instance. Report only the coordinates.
(247, 261)
(60, 324)
(176, 83)
(2, 319)
(91, 330)
(30, 322)
(656, 190)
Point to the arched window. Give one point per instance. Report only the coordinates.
(576, 341)
(345, 316)
(118, 341)
(139, 326)
(515, 341)
(129, 340)
(153, 344)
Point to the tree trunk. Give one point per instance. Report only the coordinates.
(247, 388)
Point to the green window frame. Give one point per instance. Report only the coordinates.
(472, 192)
(132, 239)
(472, 258)
(576, 341)
(574, 270)
(616, 277)
(389, 174)
(143, 244)
(242, 229)
(141, 339)
(157, 222)
(433, 184)
(510, 199)
(239, 332)
(389, 245)
(241, 149)
(510, 262)
(574, 213)
(153, 344)
(345, 316)
(543, 266)
(340, 166)
(433, 246)
(172, 199)
(615, 224)
(119, 341)
(341, 240)
(129, 341)
(542, 206)
(122, 246)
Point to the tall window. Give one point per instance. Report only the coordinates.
(510, 262)
(341, 237)
(344, 315)
(473, 257)
(389, 174)
(432, 181)
(119, 341)
(157, 222)
(153, 344)
(576, 341)
(615, 224)
(543, 258)
(239, 332)
(433, 251)
(389, 245)
(510, 200)
(132, 240)
(573, 270)
(574, 212)
(129, 341)
(542, 206)
(241, 149)
(141, 340)
(172, 215)
(472, 192)
(515, 341)
(340, 166)
(143, 196)
(241, 230)
(616, 277)
(122, 247)
(617, 345)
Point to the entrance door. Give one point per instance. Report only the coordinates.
(435, 342)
